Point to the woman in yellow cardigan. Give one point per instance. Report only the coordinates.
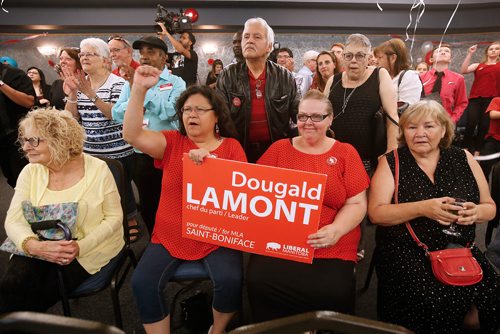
(58, 172)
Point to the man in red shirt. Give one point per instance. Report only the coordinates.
(452, 91)
(121, 55)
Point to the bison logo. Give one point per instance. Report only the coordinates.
(274, 246)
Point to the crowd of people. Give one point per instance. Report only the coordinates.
(148, 113)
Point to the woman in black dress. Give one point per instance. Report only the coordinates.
(432, 174)
(356, 95)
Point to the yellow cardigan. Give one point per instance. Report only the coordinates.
(99, 229)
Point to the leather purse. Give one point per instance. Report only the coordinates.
(452, 266)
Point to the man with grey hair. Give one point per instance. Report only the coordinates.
(261, 95)
(121, 55)
(308, 70)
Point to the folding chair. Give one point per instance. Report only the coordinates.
(332, 322)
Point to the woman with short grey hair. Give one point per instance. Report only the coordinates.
(90, 99)
(356, 95)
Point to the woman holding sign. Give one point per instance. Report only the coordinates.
(279, 288)
(205, 129)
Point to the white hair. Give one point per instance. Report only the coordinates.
(262, 22)
(308, 55)
(100, 46)
(359, 39)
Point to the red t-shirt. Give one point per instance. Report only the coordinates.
(346, 178)
(259, 129)
(494, 130)
(486, 81)
(133, 64)
(168, 223)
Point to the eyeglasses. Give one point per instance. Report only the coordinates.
(119, 38)
(258, 92)
(314, 117)
(359, 56)
(87, 54)
(283, 56)
(198, 110)
(32, 72)
(34, 141)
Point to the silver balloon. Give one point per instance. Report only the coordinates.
(426, 47)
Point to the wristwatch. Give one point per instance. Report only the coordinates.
(94, 99)
(2, 83)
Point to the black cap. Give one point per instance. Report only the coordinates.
(151, 41)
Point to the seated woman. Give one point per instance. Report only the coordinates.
(205, 128)
(432, 174)
(279, 288)
(59, 172)
(394, 57)
(42, 89)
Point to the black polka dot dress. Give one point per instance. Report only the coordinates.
(408, 292)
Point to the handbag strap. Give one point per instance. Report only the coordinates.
(396, 189)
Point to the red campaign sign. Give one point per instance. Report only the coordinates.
(253, 208)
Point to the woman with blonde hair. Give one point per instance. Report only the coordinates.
(434, 178)
(279, 288)
(58, 173)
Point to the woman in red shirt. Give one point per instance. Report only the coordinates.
(205, 129)
(277, 287)
(485, 87)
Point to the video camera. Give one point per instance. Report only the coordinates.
(174, 22)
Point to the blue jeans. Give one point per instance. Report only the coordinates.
(157, 267)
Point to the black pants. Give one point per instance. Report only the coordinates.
(278, 288)
(491, 145)
(476, 117)
(147, 178)
(12, 161)
(32, 285)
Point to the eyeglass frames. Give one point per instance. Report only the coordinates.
(258, 92)
(198, 110)
(314, 117)
(359, 56)
(33, 141)
(87, 54)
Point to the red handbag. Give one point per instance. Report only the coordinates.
(452, 266)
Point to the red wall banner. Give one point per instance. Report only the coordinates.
(252, 208)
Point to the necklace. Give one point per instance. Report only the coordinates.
(346, 100)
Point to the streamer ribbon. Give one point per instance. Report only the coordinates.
(12, 41)
(420, 6)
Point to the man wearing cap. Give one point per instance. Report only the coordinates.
(183, 62)
(159, 113)
(308, 70)
(121, 55)
(261, 95)
(17, 96)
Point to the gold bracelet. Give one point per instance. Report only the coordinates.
(25, 241)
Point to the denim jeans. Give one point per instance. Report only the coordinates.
(157, 267)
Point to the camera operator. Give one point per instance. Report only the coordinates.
(184, 62)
